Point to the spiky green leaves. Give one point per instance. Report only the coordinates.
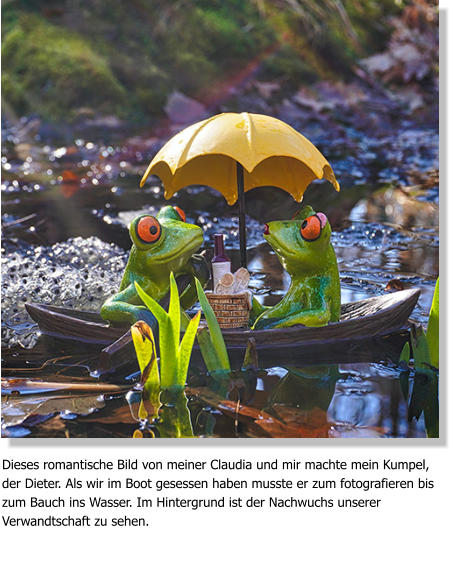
(432, 334)
(174, 356)
(216, 358)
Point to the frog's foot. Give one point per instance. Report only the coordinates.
(310, 318)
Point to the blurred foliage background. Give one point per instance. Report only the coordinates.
(65, 59)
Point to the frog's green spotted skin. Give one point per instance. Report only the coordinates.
(171, 247)
(313, 298)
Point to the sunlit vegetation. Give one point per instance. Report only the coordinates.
(63, 59)
(432, 334)
(215, 355)
(420, 377)
(163, 383)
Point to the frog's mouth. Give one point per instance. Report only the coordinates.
(278, 248)
(190, 248)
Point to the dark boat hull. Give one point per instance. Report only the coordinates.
(377, 316)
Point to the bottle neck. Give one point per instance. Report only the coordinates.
(219, 249)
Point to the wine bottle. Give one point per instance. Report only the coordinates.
(221, 264)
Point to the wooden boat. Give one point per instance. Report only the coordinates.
(369, 318)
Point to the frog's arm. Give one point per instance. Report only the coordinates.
(198, 269)
(284, 315)
(125, 308)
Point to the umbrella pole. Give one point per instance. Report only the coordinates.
(241, 202)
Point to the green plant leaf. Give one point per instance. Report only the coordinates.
(185, 349)
(175, 420)
(420, 350)
(251, 356)
(217, 340)
(210, 357)
(432, 333)
(168, 354)
(151, 304)
(142, 411)
(145, 349)
(167, 345)
(174, 309)
(405, 355)
(185, 320)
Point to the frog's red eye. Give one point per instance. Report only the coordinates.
(181, 212)
(311, 228)
(148, 229)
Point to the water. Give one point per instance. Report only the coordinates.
(66, 208)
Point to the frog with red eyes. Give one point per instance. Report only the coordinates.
(303, 247)
(161, 244)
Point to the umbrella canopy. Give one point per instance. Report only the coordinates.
(234, 153)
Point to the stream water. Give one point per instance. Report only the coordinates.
(67, 201)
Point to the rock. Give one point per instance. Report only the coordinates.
(267, 89)
(308, 100)
(181, 109)
(110, 122)
(378, 63)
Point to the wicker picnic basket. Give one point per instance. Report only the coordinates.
(231, 310)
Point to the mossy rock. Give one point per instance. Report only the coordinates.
(53, 72)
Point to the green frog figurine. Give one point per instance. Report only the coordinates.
(303, 247)
(162, 244)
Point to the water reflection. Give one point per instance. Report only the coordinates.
(399, 207)
(305, 388)
(420, 389)
(360, 400)
(172, 420)
(336, 401)
(356, 400)
(368, 402)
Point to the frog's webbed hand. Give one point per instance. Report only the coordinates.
(291, 311)
(199, 268)
(121, 309)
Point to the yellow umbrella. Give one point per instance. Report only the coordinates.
(234, 153)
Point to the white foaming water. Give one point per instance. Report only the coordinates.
(79, 273)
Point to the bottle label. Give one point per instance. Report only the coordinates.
(218, 270)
